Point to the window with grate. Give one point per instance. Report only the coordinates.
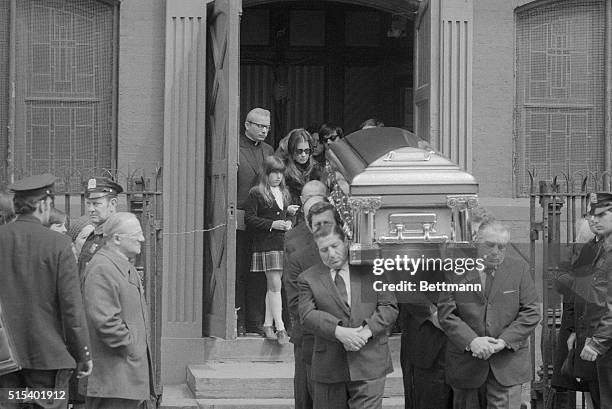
(65, 59)
(560, 95)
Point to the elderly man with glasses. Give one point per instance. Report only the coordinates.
(117, 317)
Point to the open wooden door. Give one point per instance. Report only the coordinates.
(222, 109)
(425, 74)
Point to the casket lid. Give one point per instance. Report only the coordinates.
(393, 156)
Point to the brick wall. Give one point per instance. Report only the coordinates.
(493, 101)
(493, 95)
(141, 84)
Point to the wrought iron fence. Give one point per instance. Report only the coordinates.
(555, 207)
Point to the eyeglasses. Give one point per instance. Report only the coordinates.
(300, 151)
(260, 126)
(135, 235)
(330, 138)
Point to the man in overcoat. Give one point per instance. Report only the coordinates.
(350, 322)
(117, 317)
(487, 353)
(40, 296)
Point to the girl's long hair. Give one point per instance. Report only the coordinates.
(296, 137)
(272, 164)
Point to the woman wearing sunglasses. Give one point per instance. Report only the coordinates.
(301, 167)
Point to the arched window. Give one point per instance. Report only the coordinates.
(560, 89)
(58, 58)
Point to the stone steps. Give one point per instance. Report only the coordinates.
(255, 367)
(180, 397)
(261, 380)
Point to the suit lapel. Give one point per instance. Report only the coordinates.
(331, 286)
(473, 277)
(501, 275)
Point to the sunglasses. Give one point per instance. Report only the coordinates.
(330, 138)
(300, 151)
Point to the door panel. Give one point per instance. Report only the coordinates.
(222, 159)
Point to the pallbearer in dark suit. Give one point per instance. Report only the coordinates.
(41, 296)
(423, 349)
(350, 322)
(298, 262)
(487, 355)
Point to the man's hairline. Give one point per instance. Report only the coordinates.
(312, 216)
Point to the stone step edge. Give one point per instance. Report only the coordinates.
(180, 397)
(277, 403)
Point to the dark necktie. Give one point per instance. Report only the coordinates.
(489, 282)
(341, 286)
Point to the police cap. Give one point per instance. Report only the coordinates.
(100, 187)
(34, 186)
(600, 202)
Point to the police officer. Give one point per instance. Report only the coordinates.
(40, 295)
(597, 317)
(101, 194)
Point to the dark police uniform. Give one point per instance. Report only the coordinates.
(597, 317)
(96, 188)
(41, 298)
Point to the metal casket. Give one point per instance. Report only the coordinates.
(405, 198)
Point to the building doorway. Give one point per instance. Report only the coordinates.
(326, 62)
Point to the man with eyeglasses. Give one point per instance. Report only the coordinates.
(117, 317)
(101, 199)
(41, 298)
(252, 151)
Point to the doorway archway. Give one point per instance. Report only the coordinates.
(329, 61)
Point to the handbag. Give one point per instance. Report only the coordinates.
(8, 356)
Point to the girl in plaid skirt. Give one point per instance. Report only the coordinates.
(265, 212)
